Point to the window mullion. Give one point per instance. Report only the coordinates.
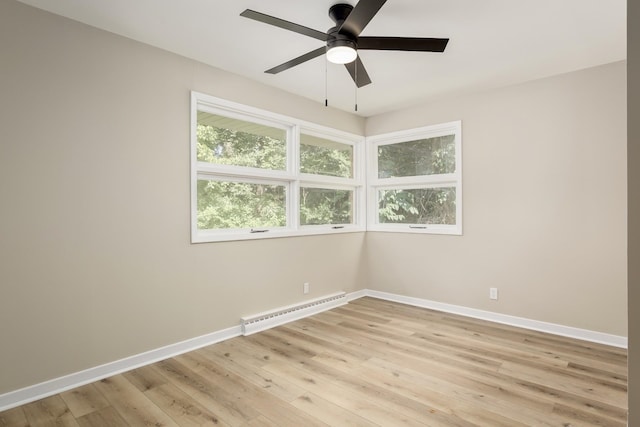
(293, 207)
(242, 172)
(329, 180)
(450, 178)
(317, 184)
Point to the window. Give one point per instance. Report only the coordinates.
(255, 175)
(320, 156)
(328, 186)
(415, 180)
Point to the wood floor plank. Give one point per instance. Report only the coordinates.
(103, 417)
(51, 411)
(328, 317)
(336, 352)
(234, 361)
(280, 347)
(368, 363)
(264, 402)
(598, 373)
(539, 393)
(239, 346)
(431, 320)
(359, 315)
(328, 412)
(84, 400)
(386, 396)
(585, 417)
(311, 326)
(261, 421)
(488, 350)
(337, 361)
(232, 411)
(132, 405)
(521, 392)
(438, 389)
(145, 378)
(181, 408)
(351, 400)
(580, 387)
(380, 395)
(380, 345)
(317, 345)
(13, 418)
(461, 346)
(616, 367)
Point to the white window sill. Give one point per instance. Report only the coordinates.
(209, 237)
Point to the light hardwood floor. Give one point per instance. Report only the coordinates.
(369, 363)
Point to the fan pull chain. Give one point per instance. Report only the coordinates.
(356, 89)
(326, 102)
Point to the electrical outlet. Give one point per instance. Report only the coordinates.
(493, 293)
(305, 288)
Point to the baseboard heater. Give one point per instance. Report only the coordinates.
(269, 319)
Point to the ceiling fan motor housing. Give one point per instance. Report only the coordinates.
(336, 39)
(338, 13)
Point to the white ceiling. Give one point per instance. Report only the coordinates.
(492, 42)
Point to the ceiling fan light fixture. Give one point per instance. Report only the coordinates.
(343, 41)
(341, 52)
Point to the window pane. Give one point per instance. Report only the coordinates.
(240, 205)
(227, 141)
(324, 157)
(325, 206)
(417, 206)
(414, 158)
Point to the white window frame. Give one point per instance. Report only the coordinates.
(355, 183)
(374, 184)
(291, 178)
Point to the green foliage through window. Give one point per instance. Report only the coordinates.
(418, 206)
(325, 206)
(227, 141)
(322, 157)
(414, 158)
(223, 205)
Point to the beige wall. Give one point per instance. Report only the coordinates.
(96, 261)
(544, 201)
(633, 154)
(95, 258)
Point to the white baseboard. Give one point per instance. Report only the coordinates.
(58, 385)
(357, 294)
(552, 328)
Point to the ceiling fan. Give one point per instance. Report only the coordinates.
(343, 40)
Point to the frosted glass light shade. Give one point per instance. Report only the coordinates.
(341, 54)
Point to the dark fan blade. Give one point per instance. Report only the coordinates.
(360, 16)
(272, 20)
(297, 61)
(403, 43)
(358, 72)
